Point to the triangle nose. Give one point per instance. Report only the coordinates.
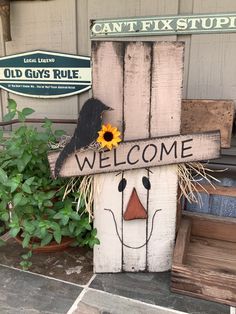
(135, 209)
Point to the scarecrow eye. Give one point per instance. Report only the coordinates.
(122, 185)
(146, 183)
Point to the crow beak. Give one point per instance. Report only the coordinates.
(109, 108)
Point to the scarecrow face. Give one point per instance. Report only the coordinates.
(134, 209)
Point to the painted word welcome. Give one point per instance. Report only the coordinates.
(142, 154)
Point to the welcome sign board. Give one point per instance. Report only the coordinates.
(143, 153)
(45, 74)
(164, 25)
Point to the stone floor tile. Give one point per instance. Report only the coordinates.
(96, 302)
(26, 293)
(154, 288)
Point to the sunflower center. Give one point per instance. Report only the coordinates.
(108, 136)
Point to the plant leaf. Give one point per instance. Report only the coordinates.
(59, 133)
(26, 240)
(21, 116)
(9, 116)
(30, 180)
(27, 111)
(14, 231)
(26, 188)
(57, 236)
(3, 177)
(47, 123)
(47, 239)
(5, 216)
(25, 265)
(17, 198)
(11, 104)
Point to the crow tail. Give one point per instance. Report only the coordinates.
(67, 151)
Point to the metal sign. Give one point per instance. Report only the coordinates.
(45, 74)
(164, 25)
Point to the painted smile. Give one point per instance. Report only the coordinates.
(120, 238)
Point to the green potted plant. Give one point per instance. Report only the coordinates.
(33, 206)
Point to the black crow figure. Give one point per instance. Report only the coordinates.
(86, 132)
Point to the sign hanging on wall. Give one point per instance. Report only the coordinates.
(164, 25)
(45, 74)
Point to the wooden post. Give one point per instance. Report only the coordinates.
(142, 82)
(108, 76)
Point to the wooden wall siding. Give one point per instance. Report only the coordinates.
(152, 89)
(63, 26)
(47, 25)
(212, 64)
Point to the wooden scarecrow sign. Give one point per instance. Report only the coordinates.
(137, 95)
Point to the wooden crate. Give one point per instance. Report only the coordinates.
(198, 115)
(204, 263)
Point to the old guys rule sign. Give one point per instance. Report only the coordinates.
(45, 74)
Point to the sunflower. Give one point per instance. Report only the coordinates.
(108, 136)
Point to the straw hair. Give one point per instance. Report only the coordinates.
(191, 175)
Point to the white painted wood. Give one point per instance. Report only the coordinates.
(108, 87)
(136, 119)
(144, 153)
(167, 74)
(165, 102)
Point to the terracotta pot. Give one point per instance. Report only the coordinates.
(51, 247)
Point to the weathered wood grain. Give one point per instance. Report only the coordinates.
(208, 270)
(210, 226)
(137, 67)
(107, 76)
(141, 154)
(204, 284)
(207, 115)
(182, 241)
(167, 75)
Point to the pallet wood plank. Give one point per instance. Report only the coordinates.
(205, 284)
(209, 269)
(204, 247)
(136, 100)
(167, 72)
(108, 87)
(142, 153)
(209, 226)
(199, 115)
(182, 241)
